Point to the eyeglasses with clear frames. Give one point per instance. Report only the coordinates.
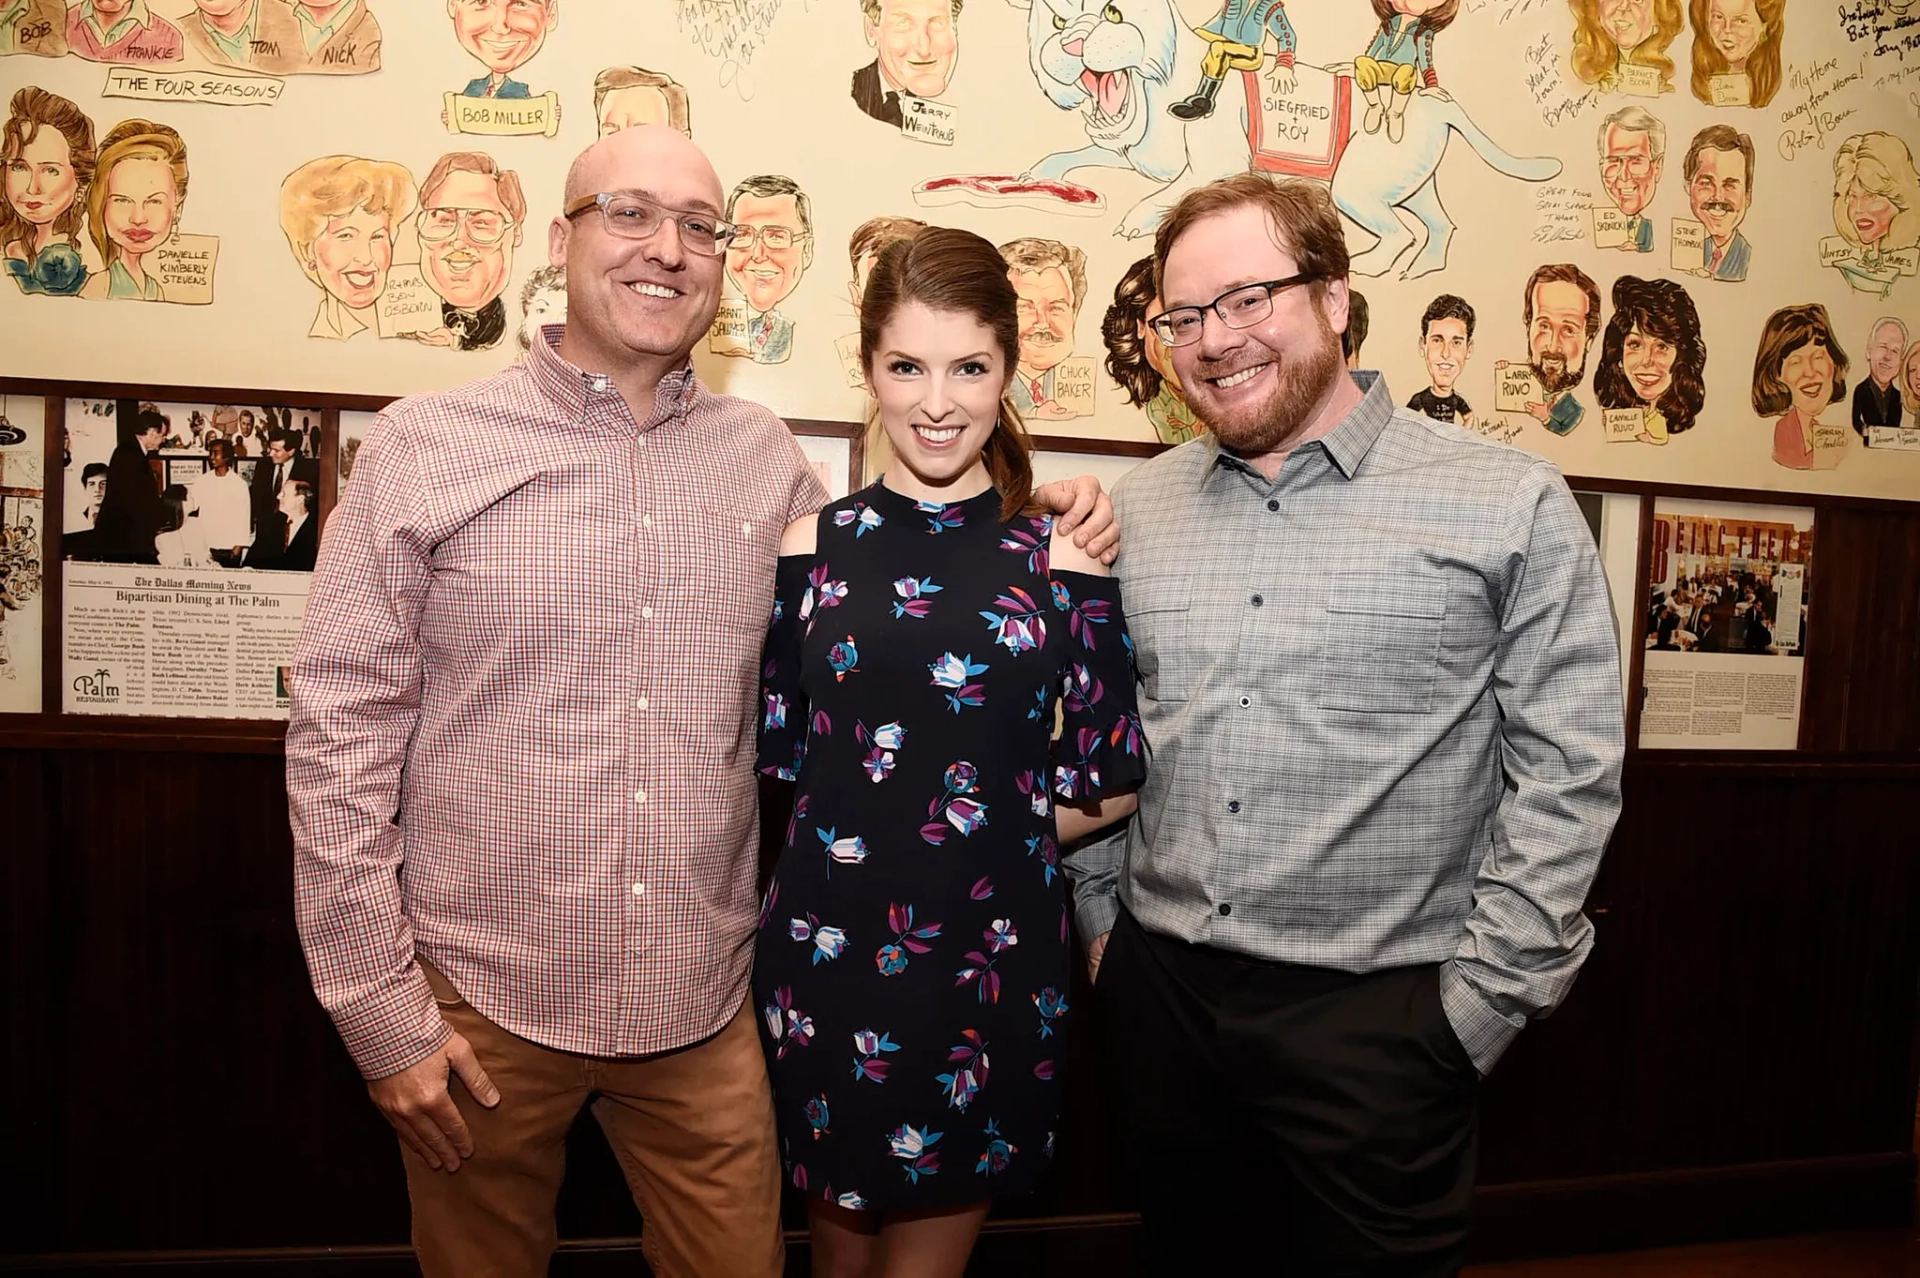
(634, 217)
(1242, 307)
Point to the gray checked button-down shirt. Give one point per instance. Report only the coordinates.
(1383, 699)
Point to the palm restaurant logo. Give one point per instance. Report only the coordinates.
(97, 688)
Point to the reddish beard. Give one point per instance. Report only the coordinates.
(1301, 382)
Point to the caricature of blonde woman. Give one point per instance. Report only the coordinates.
(1737, 37)
(46, 149)
(140, 182)
(341, 215)
(1611, 38)
(1400, 60)
(1876, 207)
(1910, 384)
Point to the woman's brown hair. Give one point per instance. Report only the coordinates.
(1763, 64)
(1787, 330)
(959, 273)
(32, 110)
(1436, 19)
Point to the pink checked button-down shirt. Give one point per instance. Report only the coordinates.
(524, 712)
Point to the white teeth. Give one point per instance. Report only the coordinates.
(652, 290)
(1244, 375)
(941, 436)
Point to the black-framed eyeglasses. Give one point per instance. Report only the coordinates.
(484, 226)
(634, 217)
(774, 237)
(1242, 307)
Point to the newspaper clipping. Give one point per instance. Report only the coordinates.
(1726, 626)
(189, 643)
(190, 537)
(22, 517)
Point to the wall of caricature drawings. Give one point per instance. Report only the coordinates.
(1671, 239)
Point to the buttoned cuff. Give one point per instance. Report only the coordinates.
(1095, 914)
(394, 1029)
(1484, 1032)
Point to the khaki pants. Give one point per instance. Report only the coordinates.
(1224, 55)
(693, 1130)
(1367, 74)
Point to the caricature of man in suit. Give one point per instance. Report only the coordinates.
(503, 35)
(916, 44)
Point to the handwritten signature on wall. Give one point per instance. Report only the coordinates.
(734, 33)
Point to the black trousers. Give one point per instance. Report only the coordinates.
(1319, 1121)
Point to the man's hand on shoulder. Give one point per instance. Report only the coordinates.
(1084, 512)
(416, 1102)
(1064, 556)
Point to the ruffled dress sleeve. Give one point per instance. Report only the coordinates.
(783, 702)
(1100, 751)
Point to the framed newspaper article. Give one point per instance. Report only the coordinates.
(1729, 589)
(189, 530)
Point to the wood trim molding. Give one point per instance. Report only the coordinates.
(1548, 1218)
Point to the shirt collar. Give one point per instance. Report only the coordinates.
(313, 31)
(1348, 443)
(575, 391)
(137, 15)
(335, 319)
(238, 47)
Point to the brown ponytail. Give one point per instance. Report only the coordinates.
(958, 272)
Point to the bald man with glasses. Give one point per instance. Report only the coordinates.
(521, 746)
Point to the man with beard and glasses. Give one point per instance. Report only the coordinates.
(501, 871)
(1562, 315)
(1310, 955)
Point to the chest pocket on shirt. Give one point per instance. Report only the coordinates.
(727, 573)
(1381, 643)
(1159, 617)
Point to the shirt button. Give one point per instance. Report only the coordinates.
(1233, 805)
(1245, 702)
(639, 703)
(746, 530)
(1256, 601)
(640, 796)
(1225, 908)
(639, 889)
(646, 611)
(1273, 505)
(646, 521)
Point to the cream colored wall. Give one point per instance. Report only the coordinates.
(779, 104)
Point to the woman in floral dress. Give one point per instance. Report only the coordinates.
(913, 956)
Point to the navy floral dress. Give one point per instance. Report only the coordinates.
(912, 962)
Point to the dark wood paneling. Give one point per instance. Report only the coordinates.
(1738, 1056)
(173, 1085)
(1863, 674)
